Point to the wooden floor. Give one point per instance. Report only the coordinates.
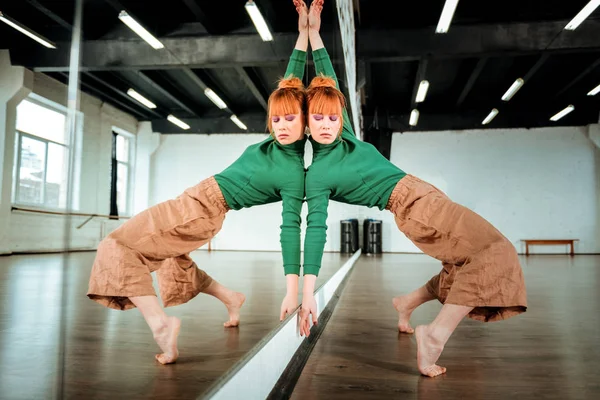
(550, 352)
(109, 354)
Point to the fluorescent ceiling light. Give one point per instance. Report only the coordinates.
(214, 98)
(490, 116)
(414, 117)
(514, 88)
(259, 21)
(446, 17)
(140, 30)
(26, 31)
(141, 98)
(178, 122)
(239, 123)
(564, 112)
(594, 91)
(422, 92)
(583, 14)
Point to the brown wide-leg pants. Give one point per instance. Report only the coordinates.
(159, 239)
(481, 268)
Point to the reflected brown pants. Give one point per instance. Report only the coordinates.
(481, 268)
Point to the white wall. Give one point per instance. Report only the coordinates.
(538, 183)
(23, 232)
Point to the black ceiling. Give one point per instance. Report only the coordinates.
(214, 44)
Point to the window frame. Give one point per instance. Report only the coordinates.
(19, 134)
(130, 164)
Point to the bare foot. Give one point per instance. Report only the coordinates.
(428, 352)
(233, 308)
(400, 304)
(166, 338)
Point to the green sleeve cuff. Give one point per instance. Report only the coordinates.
(296, 64)
(291, 269)
(298, 55)
(312, 270)
(320, 54)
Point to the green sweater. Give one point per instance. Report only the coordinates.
(347, 170)
(268, 172)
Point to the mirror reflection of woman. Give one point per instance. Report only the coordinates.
(481, 276)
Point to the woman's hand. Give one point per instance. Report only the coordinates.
(314, 15)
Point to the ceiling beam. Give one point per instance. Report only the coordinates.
(471, 81)
(579, 77)
(105, 97)
(256, 123)
(122, 94)
(252, 85)
(536, 67)
(167, 94)
(373, 46)
(477, 40)
(506, 119)
(198, 13)
(44, 10)
(202, 85)
(115, 4)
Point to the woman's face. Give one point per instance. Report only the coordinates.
(324, 128)
(287, 128)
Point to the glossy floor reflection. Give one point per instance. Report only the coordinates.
(550, 352)
(109, 354)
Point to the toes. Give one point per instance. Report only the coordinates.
(433, 371)
(164, 359)
(160, 358)
(230, 324)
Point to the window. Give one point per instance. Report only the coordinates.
(121, 172)
(41, 156)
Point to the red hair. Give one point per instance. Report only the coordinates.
(323, 97)
(288, 98)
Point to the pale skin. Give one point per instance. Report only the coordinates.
(295, 128)
(165, 329)
(431, 338)
(309, 20)
(324, 128)
(289, 128)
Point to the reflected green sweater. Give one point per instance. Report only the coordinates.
(268, 172)
(347, 170)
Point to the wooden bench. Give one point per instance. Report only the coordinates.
(549, 242)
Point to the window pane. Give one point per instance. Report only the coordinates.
(31, 172)
(41, 121)
(122, 148)
(56, 176)
(122, 179)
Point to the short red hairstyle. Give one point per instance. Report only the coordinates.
(323, 97)
(288, 98)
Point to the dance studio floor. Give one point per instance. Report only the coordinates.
(109, 354)
(550, 352)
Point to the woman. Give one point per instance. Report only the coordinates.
(481, 276)
(160, 238)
